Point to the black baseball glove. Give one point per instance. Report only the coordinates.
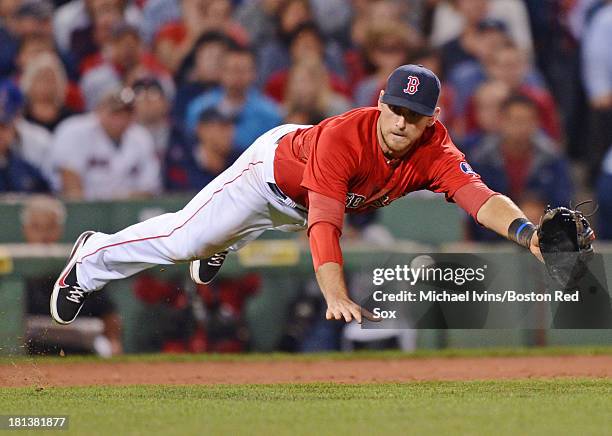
(565, 237)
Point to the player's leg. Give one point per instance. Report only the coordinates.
(203, 271)
(234, 207)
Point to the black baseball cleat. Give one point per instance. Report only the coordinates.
(68, 297)
(205, 270)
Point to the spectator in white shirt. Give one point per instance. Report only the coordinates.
(105, 154)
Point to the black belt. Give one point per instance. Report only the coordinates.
(284, 198)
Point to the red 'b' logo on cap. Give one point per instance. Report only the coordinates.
(412, 86)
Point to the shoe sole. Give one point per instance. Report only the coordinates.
(56, 287)
(194, 272)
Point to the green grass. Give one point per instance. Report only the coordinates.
(309, 357)
(560, 407)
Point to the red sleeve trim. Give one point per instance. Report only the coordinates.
(472, 196)
(324, 244)
(324, 209)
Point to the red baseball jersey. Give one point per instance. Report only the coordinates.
(342, 159)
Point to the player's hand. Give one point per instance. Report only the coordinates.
(344, 308)
(534, 247)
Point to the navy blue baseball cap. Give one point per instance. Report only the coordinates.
(413, 87)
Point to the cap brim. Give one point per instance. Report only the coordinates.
(413, 106)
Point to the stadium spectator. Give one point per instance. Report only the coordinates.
(604, 198)
(309, 90)
(42, 221)
(29, 48)
(463, 47)
(464, 77)
(77, 14)
(557, 29)
(201, 70)
(87, 42)
(274, 55)
(122, 61)
(26, 141)
(597, 78)
(368, 15)
(305, 44)
(156, 14)
(386, 48)
(105, 154)
(16, 174)
(484, 117)
(452, 17)
(46, 88)
(175, 40)
(22, 19)
(522, 162)
(192, 168)
(32, 47)
(258, 18)
(511, 66)
(333, 18)
(238, 98)
(152, 111)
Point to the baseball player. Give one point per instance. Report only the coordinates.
(297, 177)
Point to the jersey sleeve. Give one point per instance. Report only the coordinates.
(448, 170)
(331, 164)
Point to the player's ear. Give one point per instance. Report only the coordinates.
(435, 116)
(380, 103)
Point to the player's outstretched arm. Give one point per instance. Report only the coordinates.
(331, 281)
(501, 215)
(325, 219)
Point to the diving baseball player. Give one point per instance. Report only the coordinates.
(297, 177)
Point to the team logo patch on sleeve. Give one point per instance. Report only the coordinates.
(466, 168)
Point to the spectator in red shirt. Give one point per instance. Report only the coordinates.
(175, 40)
(306, 43)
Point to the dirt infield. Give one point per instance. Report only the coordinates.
(35, 373)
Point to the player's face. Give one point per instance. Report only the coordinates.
(399, 128)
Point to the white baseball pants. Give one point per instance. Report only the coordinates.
(232, 210)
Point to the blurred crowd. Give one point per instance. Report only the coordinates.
(113, 99)
(108, 99)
